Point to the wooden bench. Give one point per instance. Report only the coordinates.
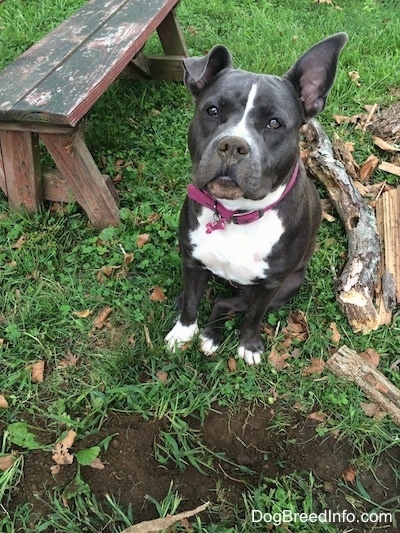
(46, 93)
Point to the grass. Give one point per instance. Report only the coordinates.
(138, 132)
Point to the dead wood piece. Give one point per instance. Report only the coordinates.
(388, 217)
(347, 364)
(355, 286)
(386, 124)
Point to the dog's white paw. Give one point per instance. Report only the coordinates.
(207, 345)
(251, 358)
(180, 335)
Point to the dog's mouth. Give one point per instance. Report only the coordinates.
(225, 188)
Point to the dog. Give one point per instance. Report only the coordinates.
(251, 215)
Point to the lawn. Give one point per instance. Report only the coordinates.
(91, 308)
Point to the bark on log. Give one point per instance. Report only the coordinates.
(346, 363)
(355, 286)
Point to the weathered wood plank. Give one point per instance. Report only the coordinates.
(3, 184)
(171, 36)
(68, 93)
(20, 151)
(76, 163)
(34, 65)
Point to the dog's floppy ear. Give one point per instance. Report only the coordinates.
(199, 71)
(313, 74)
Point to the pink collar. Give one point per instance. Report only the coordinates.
(222, 215)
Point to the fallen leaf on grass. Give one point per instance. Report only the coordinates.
(20, 242)
(390, 168)
(142, 240)
(232, 364)
(157, 295)
(350, 474)
(6, 462)
(297, 327)
(61, 454)
(148, 338)
(371, 357)
(278, 360)
(3, 402)
(163, 523)
(101, 318)
(318, 416)
(37, 372)
(355, 77)
(162, 376)
(82, 314)
(97, 464)
(316, 367)
(69, 361)
(335, 333)
(372, 410)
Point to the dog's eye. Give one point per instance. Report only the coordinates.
(274, 124)
(212, 111)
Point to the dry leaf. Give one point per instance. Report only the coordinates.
(128, 258)
(101, 318)
(37, 372)
(20, 242)
(69, 361)
(278, 360)
(232, 364)
(335, 338)
(82, 314)
(55, 469)
(159, 524)
(318, 416)
(297, 327)
(355, 77)
(157, 295)
(142, 240)
(97, 464)
(3, 402)
(326, 216)
(162, 376)
(61, 454)
(147, 337)
(370, 409)
(371, 357)
(369, 167)
(6, 462)
(350, 474)
(316, 367)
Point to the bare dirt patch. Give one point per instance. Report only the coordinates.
(247, 438)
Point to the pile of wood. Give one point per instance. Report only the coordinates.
(368, 288)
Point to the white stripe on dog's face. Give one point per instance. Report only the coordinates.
(241, 129)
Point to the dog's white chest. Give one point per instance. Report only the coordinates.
(237, 253)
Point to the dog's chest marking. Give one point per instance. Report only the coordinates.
(239, 252)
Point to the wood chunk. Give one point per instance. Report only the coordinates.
(355, 288)
(347, 364)
(388, 217)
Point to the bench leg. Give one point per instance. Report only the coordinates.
(76, 163)
(20, 167)
(171, 36)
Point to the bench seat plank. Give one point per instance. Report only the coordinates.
(69, 88)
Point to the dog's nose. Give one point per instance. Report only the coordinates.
(231, 146)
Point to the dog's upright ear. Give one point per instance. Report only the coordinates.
(199, 71)
(314, 73)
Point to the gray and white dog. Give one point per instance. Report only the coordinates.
(251, 215)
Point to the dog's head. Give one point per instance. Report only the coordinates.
(244, 135)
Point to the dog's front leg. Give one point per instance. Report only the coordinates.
(251, 345)
(195, 282)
